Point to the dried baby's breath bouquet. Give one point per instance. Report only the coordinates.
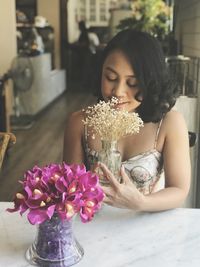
(110, 123)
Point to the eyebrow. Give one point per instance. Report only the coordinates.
(111, 69)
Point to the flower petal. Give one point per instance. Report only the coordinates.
(37, 216)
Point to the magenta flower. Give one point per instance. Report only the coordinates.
(58, 188)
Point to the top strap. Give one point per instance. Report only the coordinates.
(157, 133)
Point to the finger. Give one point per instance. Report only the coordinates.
(95, 167)
(108, 174)
(107, 201)
(106, 190)
(124, 175)
(108, 196)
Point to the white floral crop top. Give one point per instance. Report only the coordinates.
(144, 169)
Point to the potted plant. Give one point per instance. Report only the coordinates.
(151, 16)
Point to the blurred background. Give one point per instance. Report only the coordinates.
(50, 53)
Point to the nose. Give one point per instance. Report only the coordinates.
(119, 89)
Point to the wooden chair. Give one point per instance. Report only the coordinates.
(192, 138)
(6, 140)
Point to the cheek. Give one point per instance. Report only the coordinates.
(132, 95)
(106, 89)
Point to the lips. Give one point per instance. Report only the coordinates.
(121, 104)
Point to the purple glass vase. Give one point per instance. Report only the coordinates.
(55, 245)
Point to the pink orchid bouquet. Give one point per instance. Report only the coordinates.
(58, 188)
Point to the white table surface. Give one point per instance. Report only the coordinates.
(115, 238)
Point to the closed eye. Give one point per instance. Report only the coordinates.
(132, 85)
(111, 78)
(132, 82)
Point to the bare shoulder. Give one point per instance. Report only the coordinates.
(174, 124)
(174, 119)
(74, 130)
(75, 120)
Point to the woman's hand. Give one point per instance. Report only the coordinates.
(121, 195)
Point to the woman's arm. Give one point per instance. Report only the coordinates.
(177, 166)
(177, 173)
(73, 148)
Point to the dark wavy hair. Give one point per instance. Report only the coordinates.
(146, 57)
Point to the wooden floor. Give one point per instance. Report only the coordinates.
(42, 144)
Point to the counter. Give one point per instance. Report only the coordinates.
(115, 238)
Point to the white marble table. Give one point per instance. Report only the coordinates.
(115, 238)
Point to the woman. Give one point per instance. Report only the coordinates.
(134, 71)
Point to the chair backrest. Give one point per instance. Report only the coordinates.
(192, 138)
(6, 139)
